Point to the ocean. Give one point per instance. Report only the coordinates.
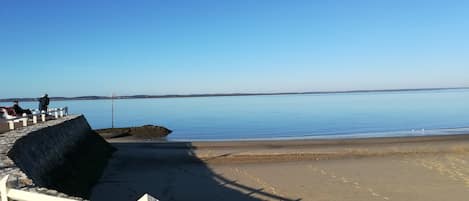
(303, 116)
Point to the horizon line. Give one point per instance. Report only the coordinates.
(141, 96)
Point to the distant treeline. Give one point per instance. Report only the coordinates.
(220, 94)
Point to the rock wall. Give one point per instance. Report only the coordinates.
(64, 155)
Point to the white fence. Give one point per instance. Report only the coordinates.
(7, 194)
(56, 112)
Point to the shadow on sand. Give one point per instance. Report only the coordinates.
(169, 172)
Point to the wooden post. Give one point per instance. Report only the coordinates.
(34, 119)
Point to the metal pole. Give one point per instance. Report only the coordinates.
(112, 100)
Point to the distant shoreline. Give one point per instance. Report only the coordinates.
(225, 94)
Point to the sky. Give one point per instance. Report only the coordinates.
(158, 47)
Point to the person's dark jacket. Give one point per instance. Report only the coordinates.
(19, 110)
(43, 103)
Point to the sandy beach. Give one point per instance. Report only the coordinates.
(408, 168)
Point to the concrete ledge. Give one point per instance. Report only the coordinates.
(64, 155)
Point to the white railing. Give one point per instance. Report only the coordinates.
(56, 112)
(147, 197)
(7, 194)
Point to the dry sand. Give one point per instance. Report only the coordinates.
(412, 168)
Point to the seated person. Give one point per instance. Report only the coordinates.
(7, 113)
(18, 110)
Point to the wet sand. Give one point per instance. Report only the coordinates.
(407, 168)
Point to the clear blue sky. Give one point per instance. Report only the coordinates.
(96, 47)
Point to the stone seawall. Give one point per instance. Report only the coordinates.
(62, 155)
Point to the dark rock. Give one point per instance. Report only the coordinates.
(146, 131)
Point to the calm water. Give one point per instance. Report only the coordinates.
(288, 116)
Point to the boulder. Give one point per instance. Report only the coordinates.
(146, 131)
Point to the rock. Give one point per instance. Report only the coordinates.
(146, 131)
(62, 195)
(51, 192)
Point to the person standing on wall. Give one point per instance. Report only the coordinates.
(43, 103)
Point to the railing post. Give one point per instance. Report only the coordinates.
(56, 114)
(43, 116)
(147, 197)
(15, 194)
(25, 119)
(25, 122)
(34, 119)
(11, 124)
(3, 188)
